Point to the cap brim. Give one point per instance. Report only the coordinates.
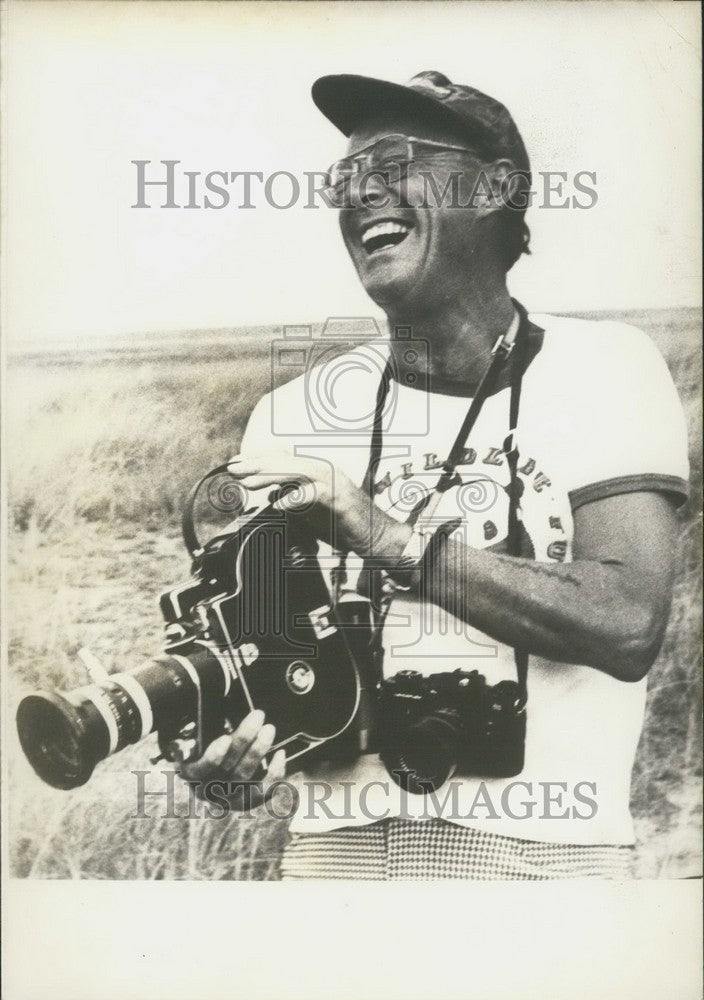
(350, 101)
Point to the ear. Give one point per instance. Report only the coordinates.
(504, 186)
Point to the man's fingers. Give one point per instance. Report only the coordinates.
(252, 758)
(223, 754)
(278, 791)
(209, 763)
(247, 795)
(248, 728)
(244, 465)
(258, 482)
(277, 767)
(240, 742)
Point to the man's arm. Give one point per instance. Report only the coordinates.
(608, 609)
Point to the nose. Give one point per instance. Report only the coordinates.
(370, 189)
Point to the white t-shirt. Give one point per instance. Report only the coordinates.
(599, 416)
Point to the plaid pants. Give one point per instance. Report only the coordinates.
(399, 849)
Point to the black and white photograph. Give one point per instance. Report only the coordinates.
(352, 481)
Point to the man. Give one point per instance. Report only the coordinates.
(559, 507)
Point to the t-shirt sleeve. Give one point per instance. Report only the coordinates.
(257, 437)
(629, 432)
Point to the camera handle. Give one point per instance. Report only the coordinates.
(190, 538)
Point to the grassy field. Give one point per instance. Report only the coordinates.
(102, 449)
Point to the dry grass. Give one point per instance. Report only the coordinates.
(102, 451)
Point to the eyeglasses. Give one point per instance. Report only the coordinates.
(395, 152)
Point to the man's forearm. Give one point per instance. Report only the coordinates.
(594, 612)
(582, 612)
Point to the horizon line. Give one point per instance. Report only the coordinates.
(121, 341)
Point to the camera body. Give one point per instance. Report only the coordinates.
(450, 722)
(259, 605)
(252, 628)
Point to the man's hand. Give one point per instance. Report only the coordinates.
(237, 758)
(353, 522)
(319, 481)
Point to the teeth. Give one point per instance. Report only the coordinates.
(384, 229)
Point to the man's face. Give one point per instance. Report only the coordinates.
(413, 244)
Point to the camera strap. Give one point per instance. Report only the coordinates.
(514, 345)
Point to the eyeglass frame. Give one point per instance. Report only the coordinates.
(362, 157)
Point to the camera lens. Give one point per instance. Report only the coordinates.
(424, 756)
(62, 742)
(65, 735)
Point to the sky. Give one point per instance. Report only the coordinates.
(608, 88)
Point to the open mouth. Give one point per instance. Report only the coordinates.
(384, 235)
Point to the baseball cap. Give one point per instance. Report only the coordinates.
(348, 101)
